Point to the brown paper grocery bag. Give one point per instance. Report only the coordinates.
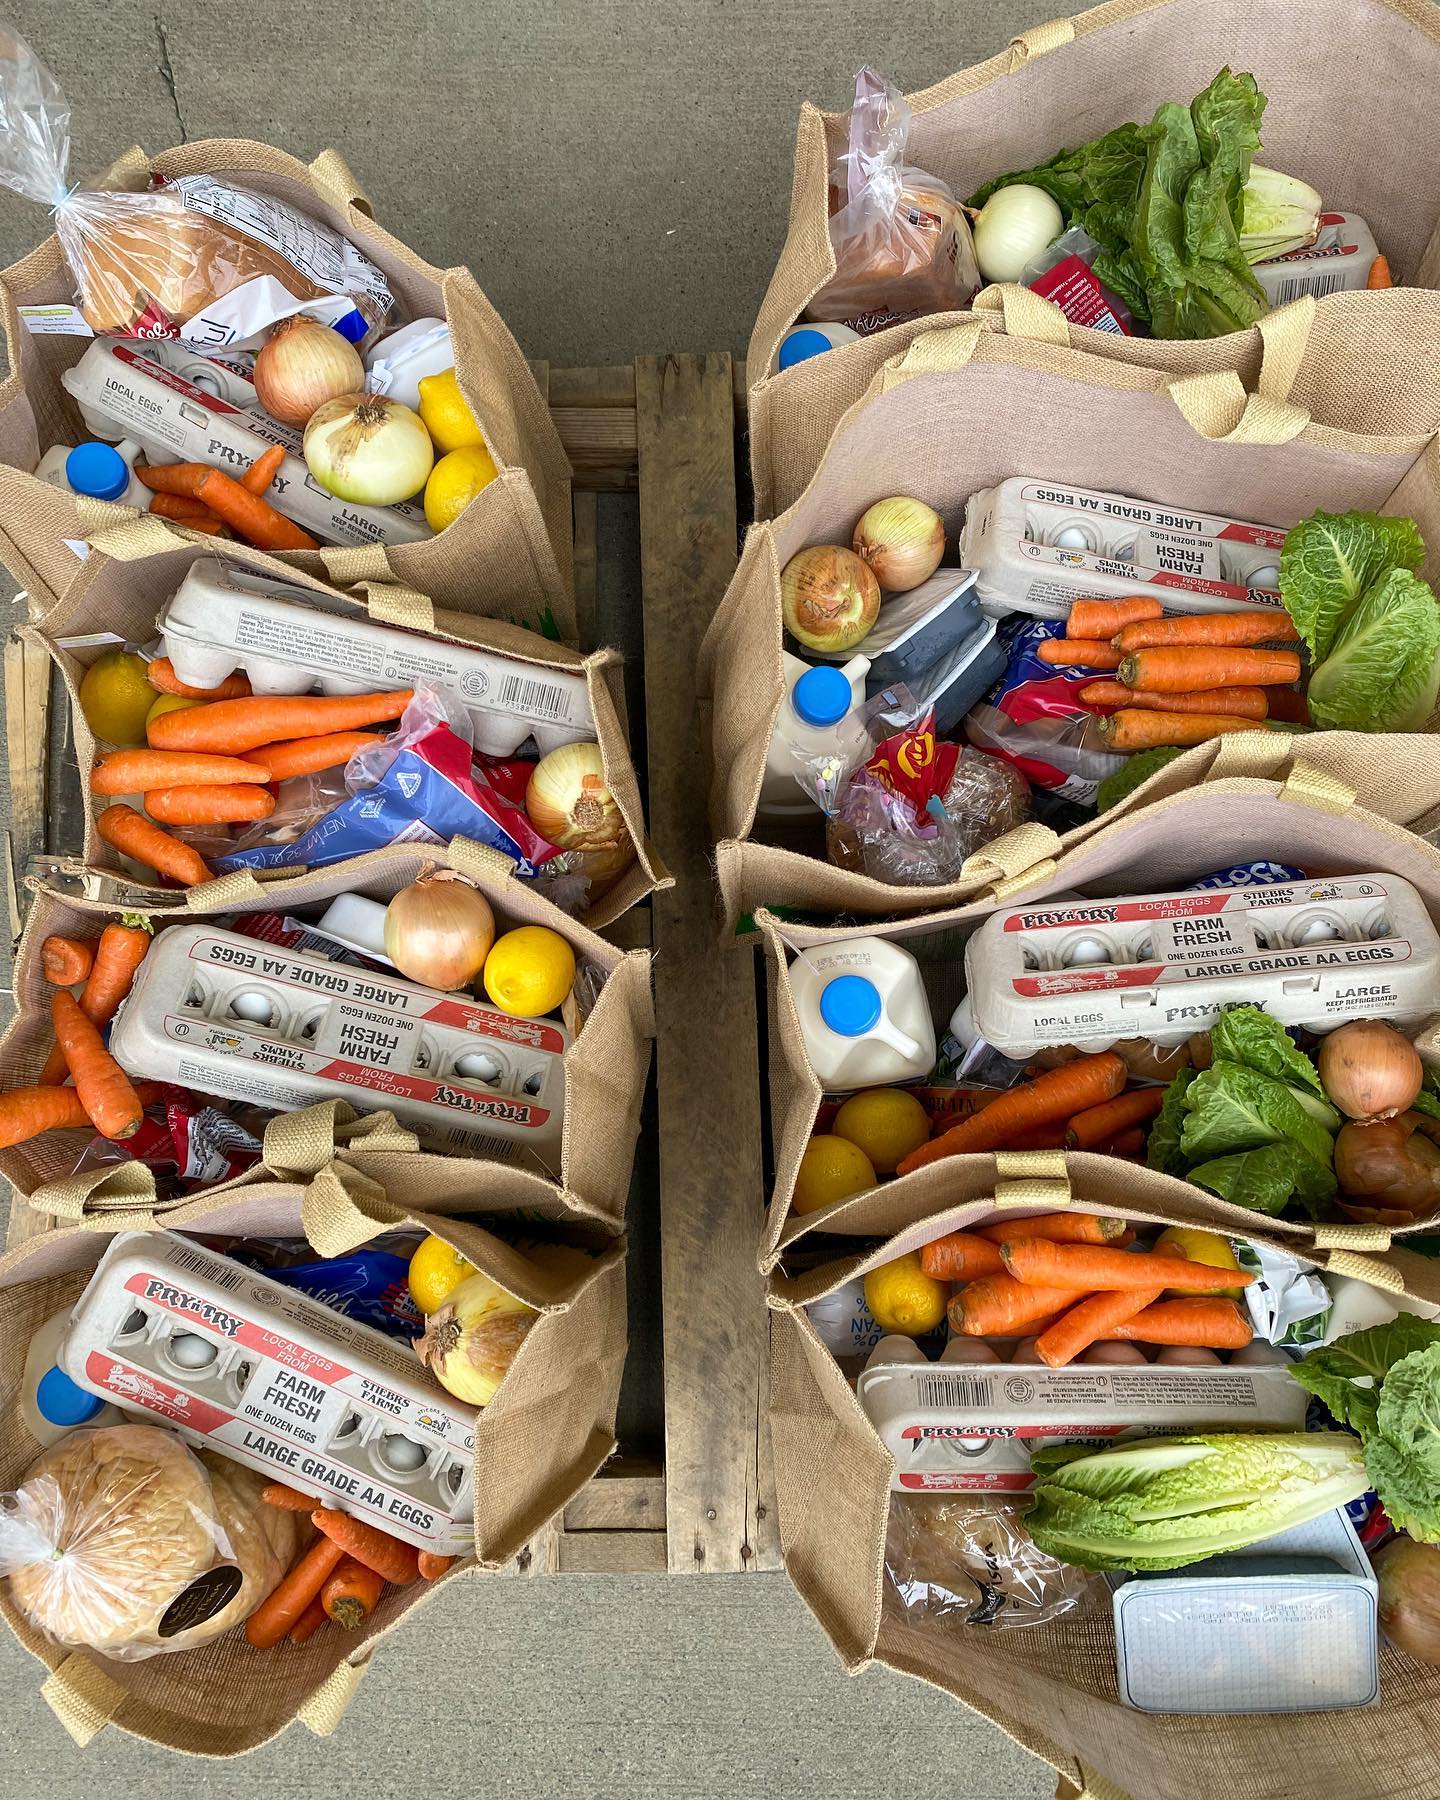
(549, 1428)
(1053, 1687)
(508, 556)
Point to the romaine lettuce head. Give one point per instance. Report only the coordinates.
(1280, 214)
(1164, 1502)
(1330, 559)
(1162, 1146)
(1383, 669)
(1230, 1107)
(1347, 1374)
(1245, 1034)
(1268, 1179)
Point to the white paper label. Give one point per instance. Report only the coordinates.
(60, 320)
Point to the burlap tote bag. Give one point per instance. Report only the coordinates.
(605, 1069)
(549, 1428)
(508, 556)
(112, 598)
(960, 411)
(1019, 109)
(1160, 847)
(1053, 1687)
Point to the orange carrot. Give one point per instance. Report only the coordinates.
(102, 1086)
(1043, 1137)
(263, 470)
(1057, 1094)
(1084, 653)
(1133, 729)
(287, 1605)
(309, 1622)
(209, 805)
(386, 1555)
(1379, 275)
(134, 835)
(66, 961)
(26, 1112)
(120, 952)
(1108, 1120)
(305, 756)
(960, 1257)
(1208, 631)
(432, 1567)
(1101, 619)
(189, 513)
(162, 677)
(1235, 702)
(1207, 1323)
(1000, 1306)
(1058, 1227)
(250, 517)
(173, 478)
(1043, 1264)
(230, 727)
(1126, 1143)
(1094, 1318)
(135, 771)
(276, 1493)
(1190, 668)
(351, 1593)
(1287, 704)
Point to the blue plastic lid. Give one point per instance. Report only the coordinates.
(850, 1005)
(59, 1401)
(97, 471)
(802, 343)
(821, 697)
(353, 326)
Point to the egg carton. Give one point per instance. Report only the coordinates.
(289, 640)
(1038, 546)
(262, 1373)
(1163, 966)
(968, 1425)
(123, 390)
(231, 1016)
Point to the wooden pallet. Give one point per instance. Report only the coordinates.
(664, 428)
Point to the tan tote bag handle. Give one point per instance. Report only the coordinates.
(335, 184)
(1040, 40)
(1217, 407)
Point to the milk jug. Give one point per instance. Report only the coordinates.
(864, 1014)
(819, 717)
(50, 1403)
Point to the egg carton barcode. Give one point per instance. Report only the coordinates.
(1295, 287)
(537, 699)
(474, 1144)
(938, 1389)
(197, 1263)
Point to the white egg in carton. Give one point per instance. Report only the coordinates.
(288, 641)
(237, 1363)
(970, 1421)
(234, 1016)
(1037, 546)
(1162, 966)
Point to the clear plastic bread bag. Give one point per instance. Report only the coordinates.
(970, 1561)
(901, 239)
(212, 264)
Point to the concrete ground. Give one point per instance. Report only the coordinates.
(617, 174)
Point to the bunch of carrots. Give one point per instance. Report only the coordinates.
(103, 1095)
(340, 1577)
(1071, 1280)
(1180, 680)
(216, 762)
(210, 501)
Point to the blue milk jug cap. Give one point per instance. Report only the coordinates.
(850, 1005)
(352, 326)
(60, 1402)
(98, 471)
(821, 697)
(802, 343)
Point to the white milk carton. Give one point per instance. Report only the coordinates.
(818, 722)
(864, 1013)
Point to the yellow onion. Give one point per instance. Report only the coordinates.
(1410, 1597)
(367, 449)
(1370, 1070)
(439, 930)
(902, 540)
(301, 365)
(570, 804)
(829, 597)
(470, 1341)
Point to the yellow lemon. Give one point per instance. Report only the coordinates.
(169, 703)
(116, 696)
(436, 1270)
(529, 972)
(445, 414)
(1202, 1247)
(831, 1169)
(904, 1298)
(454, 482)
(887, 1124)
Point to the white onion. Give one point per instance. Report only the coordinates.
(1014, 225)
(369, 450)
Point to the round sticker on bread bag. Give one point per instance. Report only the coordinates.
(207, 1595)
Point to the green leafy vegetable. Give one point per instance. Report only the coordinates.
(1268, 1179)
(1245, 1034)
(1280, 214)
(1383, 670)
(1428, 1099)
(1230, 1107)
(1164, 1502)
(1140, 767)
(1347, 1373)
(1329, 560)
(1162, 1147)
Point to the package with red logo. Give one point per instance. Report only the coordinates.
(1063, 273)
(1337, 262)
(188, 1145)
(238, 1363)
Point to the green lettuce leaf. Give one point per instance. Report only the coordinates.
(1140, 767)
(1383, 669)
(1162, 1146)
(1268, 1179)
(1406, 1487)
(1281, 213)
(1230, 1107)
(1428, 1099)
(1330, 559)
(1409, 1415)
(1347, 1374)
(1245, 1034)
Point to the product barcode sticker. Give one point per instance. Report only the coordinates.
(942, 1387)
(198, 1263)
(536, 699)
(1323, 282)
(476, 1144)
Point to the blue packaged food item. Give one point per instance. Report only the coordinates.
(371, 1286)
(1250, 874)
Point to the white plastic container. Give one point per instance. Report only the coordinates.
(233, 1016)
(819, 719)
(400, 362)
(1038, 546)
(51, 1404)
(1337, 262)
(288, 641)
(262, 1373)
(1162, 966)
(51, 466)
(864, 1014)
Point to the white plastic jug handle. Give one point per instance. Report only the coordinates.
(895, 1038)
